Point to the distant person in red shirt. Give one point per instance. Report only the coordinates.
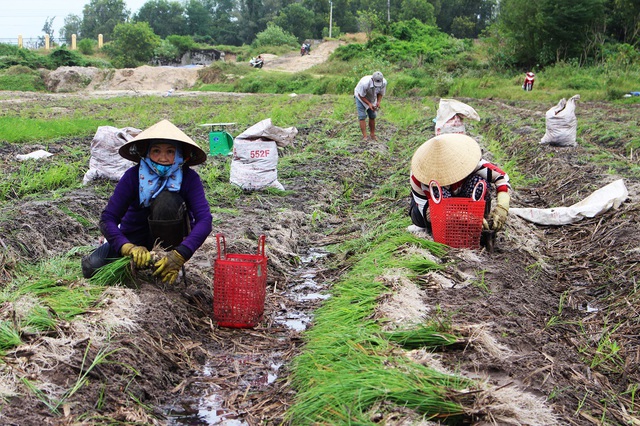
(528, 81)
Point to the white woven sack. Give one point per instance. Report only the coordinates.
(105, 162)
(255, 164)
(447, 110)
(561, 123)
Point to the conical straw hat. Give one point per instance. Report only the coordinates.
(447, 159)
(137, 147)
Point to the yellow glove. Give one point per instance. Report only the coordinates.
(140, 255)
(499, 214)
(169, 266)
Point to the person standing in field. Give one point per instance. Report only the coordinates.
(160, 200)
(368, 96)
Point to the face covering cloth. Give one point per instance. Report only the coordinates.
(154, 177)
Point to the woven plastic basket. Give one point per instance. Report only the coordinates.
(239, 286)
(456, 221)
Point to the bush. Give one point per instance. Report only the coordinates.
(11, 55)
(182, 43)
(66, 58)
(132, 44)
(87, 46)
(274, 36)
(166, 52)
(21, 78)
(350, 51)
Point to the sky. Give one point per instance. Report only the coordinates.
(27, 17)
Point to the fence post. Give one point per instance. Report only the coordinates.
(73, 42)
(20, 41)
(100, 41)
(46, 42)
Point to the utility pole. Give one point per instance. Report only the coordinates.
(330, 17)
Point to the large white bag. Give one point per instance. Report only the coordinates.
(562, 123)
(105, 162)
(450, 116)
(255, 155)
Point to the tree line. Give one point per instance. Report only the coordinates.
(528, 32)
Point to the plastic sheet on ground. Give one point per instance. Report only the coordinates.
(105, 162)
(35, 155)
(605, 198)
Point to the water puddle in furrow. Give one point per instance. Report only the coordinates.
(207, 409)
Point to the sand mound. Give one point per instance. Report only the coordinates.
(144, 78)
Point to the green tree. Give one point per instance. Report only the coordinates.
(72, 24)
(101, 17)
(421, 10)
(547, 31)
(463, 27)
(132, 45)
(297, 20)
(198, 16)
(249, 22)
(164, 17)
(225, 25)
(47, 29)
(623, 20)
(479, 12)
(368, 21)
(567, 26)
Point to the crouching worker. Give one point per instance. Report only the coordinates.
(455, 162)
(159, 200)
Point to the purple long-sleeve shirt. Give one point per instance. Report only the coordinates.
(123, 213)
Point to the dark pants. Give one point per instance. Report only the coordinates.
(168, 226)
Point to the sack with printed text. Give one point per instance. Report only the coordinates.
(254, 164)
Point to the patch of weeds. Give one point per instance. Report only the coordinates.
(102, 357)
(535, 269)
(481, 283)
(82, 220)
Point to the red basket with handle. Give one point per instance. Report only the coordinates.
(239, 286)
(457, 221)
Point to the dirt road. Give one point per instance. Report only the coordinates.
(293, 62)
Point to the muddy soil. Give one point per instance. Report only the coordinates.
(546, 298)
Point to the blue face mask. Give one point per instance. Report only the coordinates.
(161, 169)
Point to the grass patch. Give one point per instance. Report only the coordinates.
(42, 294)
(20, 129)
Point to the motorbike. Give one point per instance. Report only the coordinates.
(305, 49)
(256, 62)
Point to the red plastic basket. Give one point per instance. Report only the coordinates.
(239, 286)
(457, 221)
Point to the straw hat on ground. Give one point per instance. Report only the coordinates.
(137, 147)
(447, 159)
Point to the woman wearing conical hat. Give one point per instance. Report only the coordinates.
(159, 200)
(455, 162)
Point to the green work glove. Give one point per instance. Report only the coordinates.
(140, 255)
(499, 214)
(168, 267)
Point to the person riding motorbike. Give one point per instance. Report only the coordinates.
(305, 49)
(257, 62)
